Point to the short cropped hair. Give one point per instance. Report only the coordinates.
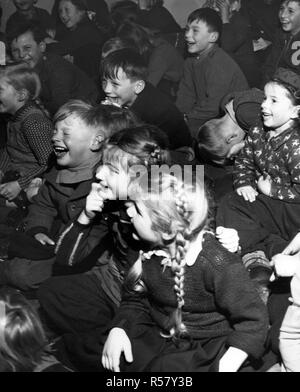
(37, 32)
(209, 16)
(106, 119)
(128, 60)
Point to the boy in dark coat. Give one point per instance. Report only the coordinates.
(124, 75)
(79, 132)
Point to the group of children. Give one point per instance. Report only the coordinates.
(120, 242)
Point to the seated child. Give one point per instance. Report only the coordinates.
(23, 343)
(188, 304)
(124, 75)
(26, 153)
(28, 12)
(267, 177)
(80, 307)
(60, 80)
(80, 130)
(209, 73)
(164, 62)
(285, 48)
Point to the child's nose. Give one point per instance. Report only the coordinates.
(107, 87)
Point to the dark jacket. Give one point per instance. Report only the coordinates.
(62, 81)
(154, 107)
(63, 203)
(206, 80)
(285, 53)
(40, 17)
(84, 44)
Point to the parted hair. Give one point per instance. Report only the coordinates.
(21, 77)
(181, 211)
(22, 339)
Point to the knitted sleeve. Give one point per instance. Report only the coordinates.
(37, 131)
(290, 192)
(4, 160)
(244, 168)
(237, 298)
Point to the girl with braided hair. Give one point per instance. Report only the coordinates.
(188, 303)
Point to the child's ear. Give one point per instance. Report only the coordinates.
(42, 46)
(22, 95)
(139, 86)
(230, 138)
(214, 36)
(96, 143)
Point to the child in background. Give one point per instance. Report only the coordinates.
(124, 75)
(267, 178)
(285, 48)
(82, 39)
(185, 283)
(236, 39)
(80, 130)
(28, 12)
(200, 91)
(26, 153)
(165, 63)
(23, 343)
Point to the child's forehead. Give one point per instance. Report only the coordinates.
(293, 4)
(73, 121)
(198, 23)
(275, 89)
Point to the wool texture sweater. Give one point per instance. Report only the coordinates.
(220, 300)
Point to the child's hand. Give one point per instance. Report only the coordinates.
(248, 193)
(264, 184)
(293, 247)
(285, 265)
(44, 239)
(224, 9)
(10, 190)
(229, 238)
(94, 203)
(116, 343)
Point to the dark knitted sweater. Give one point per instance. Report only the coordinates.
(220, 300)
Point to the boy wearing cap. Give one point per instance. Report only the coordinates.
(220, 139)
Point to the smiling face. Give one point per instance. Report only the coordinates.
(69, 14)
(277, 108)
(122, 90)
(73, 142)
(25, 48)
(141, 220)
(10, 99)
(114, 180)
(289, 16)
(199, 37)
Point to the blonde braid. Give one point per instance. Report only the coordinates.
(182, 240)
